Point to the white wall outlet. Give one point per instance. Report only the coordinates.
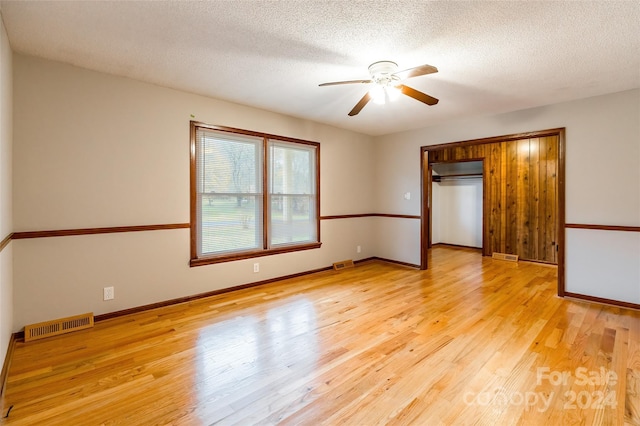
(108, 293)
(407, 195)
(256, 267)
(358, 249)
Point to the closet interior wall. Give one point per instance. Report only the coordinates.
(457, 208)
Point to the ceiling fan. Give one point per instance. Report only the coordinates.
(386, 79)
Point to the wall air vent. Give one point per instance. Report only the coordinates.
(59, 326)
(343, 264)
(504, 256)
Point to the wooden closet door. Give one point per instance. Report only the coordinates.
(532, 199)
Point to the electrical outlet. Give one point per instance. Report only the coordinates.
(108, 293)
(256, 267)
(358, 249)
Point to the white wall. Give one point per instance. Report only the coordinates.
(612, 259)
(602, 134)
(397, 238)
(457, 212)
(95, 150)
(6, 221)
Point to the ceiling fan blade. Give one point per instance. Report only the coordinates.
(415, 72)
(335, 83)
(417, 95)
(356, 109)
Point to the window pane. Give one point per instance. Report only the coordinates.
(229, 181)
(292, 169)
(292, 193)
(230, 163)
(292, 219)
(230, 223)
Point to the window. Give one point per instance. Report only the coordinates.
(252, 194)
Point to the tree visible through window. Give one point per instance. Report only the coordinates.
(251, 194)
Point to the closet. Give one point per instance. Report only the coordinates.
(520, 192)
(457, 203)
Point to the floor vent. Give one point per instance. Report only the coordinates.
(343, 264)
(59, 326)
(504, 256)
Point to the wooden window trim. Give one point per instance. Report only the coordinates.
(195, 260)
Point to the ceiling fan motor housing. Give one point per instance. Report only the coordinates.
(382, 72)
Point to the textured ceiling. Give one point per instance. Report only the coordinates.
(492, 56)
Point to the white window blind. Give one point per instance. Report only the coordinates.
(292, 193)
(229, 195)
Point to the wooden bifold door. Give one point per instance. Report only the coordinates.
(531, 199)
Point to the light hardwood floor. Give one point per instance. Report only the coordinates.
(471, 341)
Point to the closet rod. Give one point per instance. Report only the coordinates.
(438, 178)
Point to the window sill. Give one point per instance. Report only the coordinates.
(249, 255)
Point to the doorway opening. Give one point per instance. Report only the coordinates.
(523, 194)
(457, 200)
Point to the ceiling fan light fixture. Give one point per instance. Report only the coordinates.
(378, 94)
(393, 93)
